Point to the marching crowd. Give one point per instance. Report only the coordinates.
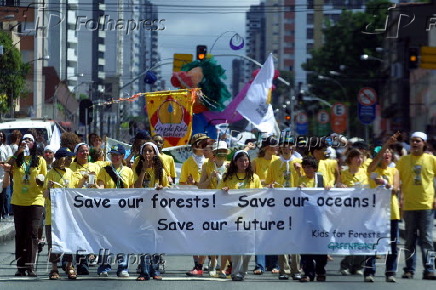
(29, 169)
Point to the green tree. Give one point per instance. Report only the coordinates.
(12, 73)
(344, 42)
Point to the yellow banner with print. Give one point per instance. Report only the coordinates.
(170, 115)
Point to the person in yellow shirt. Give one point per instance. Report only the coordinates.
(191, 168)
(58, 177)
(168, 161)
(364, 149)
(260, 165)
(149, 173)
(383, 175)
(240, 175)
(85, 173)
(115, 175)
(81, 167)
(328, 168)
(285, 172)
(211, 175)
(354, 176)
(312, 264)
(28, 171)
(417, 173)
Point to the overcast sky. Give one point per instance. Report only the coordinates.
(192, 22)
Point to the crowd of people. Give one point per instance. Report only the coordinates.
(27, 175)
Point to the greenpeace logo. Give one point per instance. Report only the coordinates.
(352, 246)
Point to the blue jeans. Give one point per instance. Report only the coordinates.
(150, 265)
(422, 221)
(265, 263)
(392, 258)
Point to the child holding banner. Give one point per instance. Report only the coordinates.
(383, 175)
(150, 173)
(82, 169)
(354, 176)
(191, 168)
(149, 170)
(115, 175)
(240, 175)
(285, 172)
(312, 264)
(58, 177)
(168, 161)
(260, 165)
(211, 175)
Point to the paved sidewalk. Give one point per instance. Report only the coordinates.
(7, 231)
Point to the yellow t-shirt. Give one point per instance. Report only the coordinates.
(124, 172)
(417, 183)
(88, 167)
(210, 167)
(278, 173)
(388, 174)
(327, 168)
(102, 164)
(308, 182)
(26, 191)
(190, 167)
(238, 182)
(169, 164)
(366, 163)
(355, 179)
(261, 166)
(150, 178)
(61, 177)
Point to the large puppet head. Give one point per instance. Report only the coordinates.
(208, 76)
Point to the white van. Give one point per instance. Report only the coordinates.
(44, 126)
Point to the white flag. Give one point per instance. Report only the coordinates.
(256, 106)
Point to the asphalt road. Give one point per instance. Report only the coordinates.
(175, 278)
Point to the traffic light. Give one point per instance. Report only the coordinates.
(287, 121)
(85, 106)
(201, 52)
(413, 58)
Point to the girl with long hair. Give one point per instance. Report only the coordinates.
(240, 175)
(28, 170)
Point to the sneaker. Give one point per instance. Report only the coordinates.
(103, 274)
(296, 276)
(407, 275)
(194, 273)
(390, 279)
(369, 279)
(212, 273)
(345, 272)
(238, 277)
(283, 277)
(429, 276)
(123, 274)
(222, 275)
(358, 272)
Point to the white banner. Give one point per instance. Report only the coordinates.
(192, 221)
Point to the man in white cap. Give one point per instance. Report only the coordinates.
(417, 172)
(48, 155)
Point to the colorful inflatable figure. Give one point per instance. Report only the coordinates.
(208, 76)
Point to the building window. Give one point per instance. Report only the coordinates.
(309, 19)
(309, 33)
